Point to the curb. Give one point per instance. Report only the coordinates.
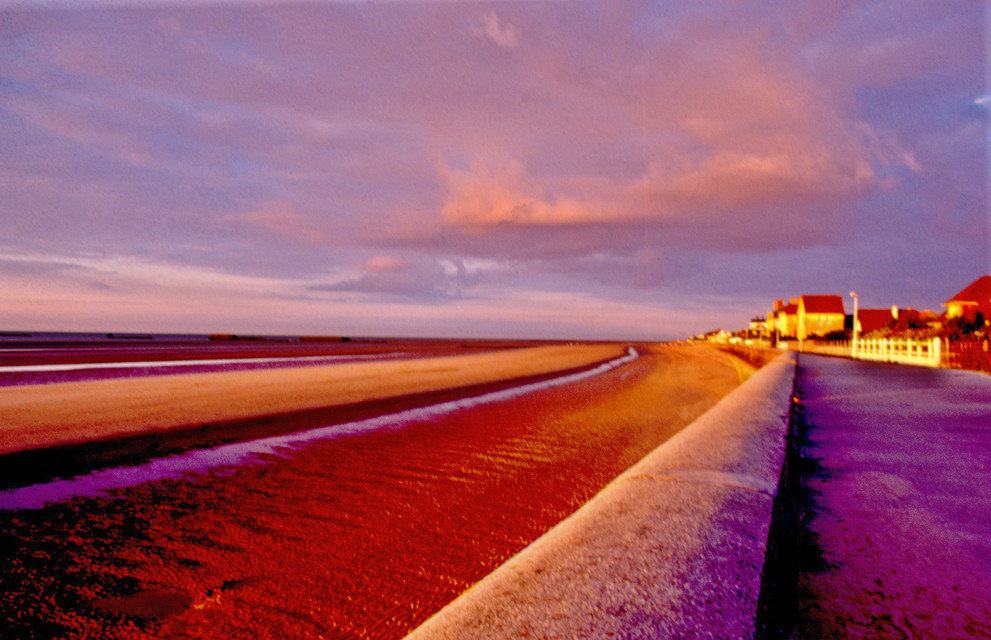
(673, 547)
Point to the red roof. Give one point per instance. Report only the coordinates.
(977, 292)
(871, 319)
(824, 304)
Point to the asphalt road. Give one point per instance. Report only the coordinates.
(900, 504)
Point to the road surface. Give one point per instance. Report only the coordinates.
(900, 501)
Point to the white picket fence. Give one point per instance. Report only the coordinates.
(925, 353)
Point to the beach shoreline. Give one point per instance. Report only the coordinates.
(43, 462)
(424, 511)
(59, 430)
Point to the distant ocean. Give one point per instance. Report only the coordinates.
(83, 336)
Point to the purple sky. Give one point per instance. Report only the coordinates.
(533, 169)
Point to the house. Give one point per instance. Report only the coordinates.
(975, 297)
(783, 319)
(758, 327)
(772, 320)
(873, 319)
(819, 315)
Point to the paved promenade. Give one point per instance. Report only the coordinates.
(901, 503)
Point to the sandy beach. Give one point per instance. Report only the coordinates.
(360, 536)
(42, 416)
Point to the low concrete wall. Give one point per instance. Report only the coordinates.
(755, 356)
(673, 547)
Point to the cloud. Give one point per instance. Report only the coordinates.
(719, 188)
(727, 138)
(503, 34)
(732, 181)
(888, 152)
(384, 264)
(483, 197)
(385, 277)
(621, 149)
(650, 130)
(276, 219)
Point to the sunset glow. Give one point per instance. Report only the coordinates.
(505, 169)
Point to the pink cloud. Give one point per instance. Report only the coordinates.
(384, 264)
(731, 180)
(278, 219)
(503, 34)
(733, 132)
(724, 184)
(508, 195)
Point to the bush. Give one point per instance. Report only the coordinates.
(833, 336)
(967, 324)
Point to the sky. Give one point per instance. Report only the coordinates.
(535, 169)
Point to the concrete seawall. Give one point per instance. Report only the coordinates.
(673, 547)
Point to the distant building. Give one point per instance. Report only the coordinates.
(783, 319)
(819, 315)
(758, 327)
(717, 335)
(973, 298)
(772, 318)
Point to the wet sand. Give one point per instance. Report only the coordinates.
(363, 536)
(42, 416)
(47, 362)
(22, 352)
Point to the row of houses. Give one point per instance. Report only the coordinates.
(825, 316)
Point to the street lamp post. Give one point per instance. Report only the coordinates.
(853, 347)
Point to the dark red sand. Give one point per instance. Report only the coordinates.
(359, 537)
